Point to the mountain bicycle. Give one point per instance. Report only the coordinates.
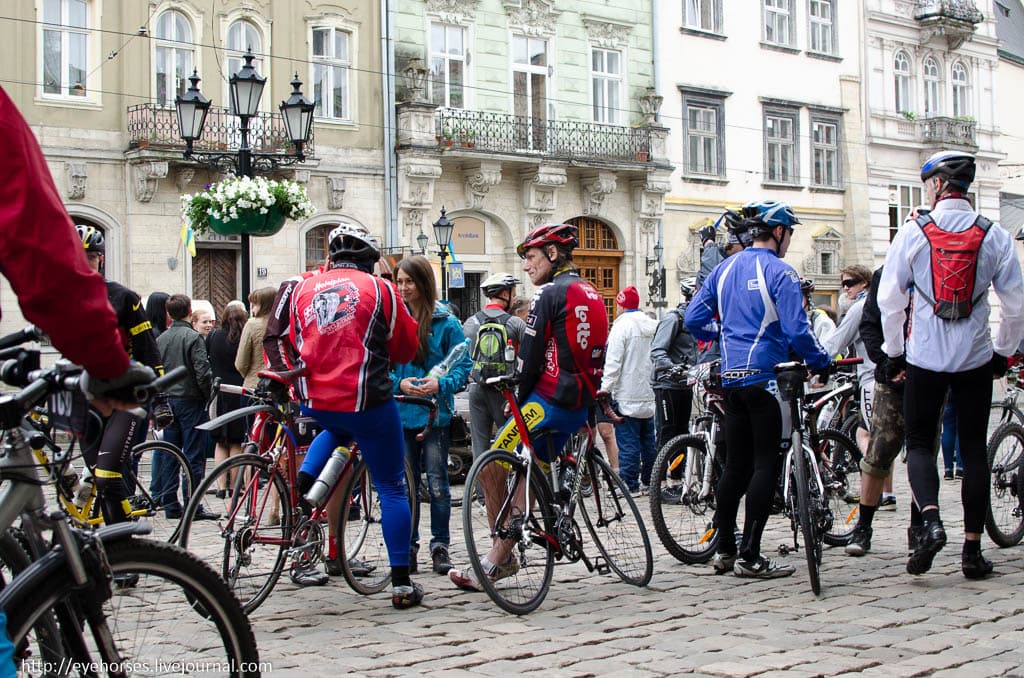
(262, 528)
(1004, 521)
(1007, 409)
(534, 514)
(100, 600)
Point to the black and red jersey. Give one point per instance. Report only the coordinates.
(562, 353)
(280, 353)
(347, 326)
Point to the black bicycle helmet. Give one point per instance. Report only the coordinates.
(349, 242)
(92, 238)
(806, 286)
(955, 167)
(498, 283)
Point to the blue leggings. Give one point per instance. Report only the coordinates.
(378, 432)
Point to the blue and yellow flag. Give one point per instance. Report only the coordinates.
(188, 237)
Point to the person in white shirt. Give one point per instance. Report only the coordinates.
(627, 377)
(950, 343)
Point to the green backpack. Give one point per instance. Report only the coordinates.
(488, 351)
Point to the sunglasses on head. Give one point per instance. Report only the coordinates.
(850, 282)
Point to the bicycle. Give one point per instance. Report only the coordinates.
(535, 515)
(1004, 521)
(1006, 409)
(249, 545)
(805, 493)
(687, 469)
(101, 600)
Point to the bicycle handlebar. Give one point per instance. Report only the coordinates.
(28, 333)
(422, 402)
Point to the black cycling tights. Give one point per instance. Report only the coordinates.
(121, 432)
(753, 428)
(923, 400)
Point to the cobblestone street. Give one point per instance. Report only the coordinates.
(871, 618)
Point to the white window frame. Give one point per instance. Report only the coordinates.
(961, 89)
(932, 74)
(92, 83)
(792, 142)
(602, 82)
(700, 100)
(234, 57)
(902, 67)
(695, 12)
(174, 45)
(820, 28)
(533, 140)
(442, 52)
(778, 11)
(348, 63)
(908, 196)
(820, 148)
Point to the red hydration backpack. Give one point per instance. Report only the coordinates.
(954, 266)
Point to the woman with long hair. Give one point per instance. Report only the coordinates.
(439, 332)
(249, 360)
(156, 311)
(222, 346)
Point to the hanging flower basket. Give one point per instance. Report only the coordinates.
(244, 205)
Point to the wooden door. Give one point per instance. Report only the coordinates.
(215, 277)
(598, 257)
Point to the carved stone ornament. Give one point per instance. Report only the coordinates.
(532, 17)
(825, 241)
(453, 11)
(301, 176)
(540, 190)
(415, 75)
(335, 193)
(416, 179)
(606, 33)
(147, 177)
(479, 180)
(595, 187)
(413, 221)
(183, 177)
(649, 196)
(650, 104)
(77, 174)
(647, 225)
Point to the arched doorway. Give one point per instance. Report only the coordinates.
(598, 257)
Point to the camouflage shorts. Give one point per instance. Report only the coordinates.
(887, 432)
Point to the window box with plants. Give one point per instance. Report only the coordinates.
(244, 205)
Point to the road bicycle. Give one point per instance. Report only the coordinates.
(687, 469)
(100, 601)
(261, 528)
(1004, 521)
(1006, 409)
(513, 503)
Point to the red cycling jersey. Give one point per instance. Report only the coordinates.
(562, 352)
(347, 325)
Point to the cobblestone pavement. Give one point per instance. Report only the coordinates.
(871, 618)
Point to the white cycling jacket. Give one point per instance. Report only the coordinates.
(941, 345)
(627, 364)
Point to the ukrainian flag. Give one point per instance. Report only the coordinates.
(188, 237)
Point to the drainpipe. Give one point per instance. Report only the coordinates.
(387, 51)
(657, 85)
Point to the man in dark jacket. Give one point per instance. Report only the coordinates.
(180, 345)
(673, 350)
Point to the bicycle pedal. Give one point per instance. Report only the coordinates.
(601, 566)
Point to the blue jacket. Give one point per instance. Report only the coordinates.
(445, 333)
(757, 296)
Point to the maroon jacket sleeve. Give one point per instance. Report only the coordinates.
(42, 257)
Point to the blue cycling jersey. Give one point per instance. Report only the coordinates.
(758, 298)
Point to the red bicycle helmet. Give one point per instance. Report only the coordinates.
(549, 234)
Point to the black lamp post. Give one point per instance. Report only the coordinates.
(443, 233)
(246, 90)
(422, 239)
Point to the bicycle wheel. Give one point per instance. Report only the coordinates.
(682, 499)
(360, 531)
(615, 523)
(839, 464)
(1004, 521)
(43, 645)
(176, 617)
(162, 510)
(804, 510)
(502, 519)
(1003, 411)
(247, 545)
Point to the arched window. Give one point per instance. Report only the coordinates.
(316, 245)
(175, 56)
(901, 75)
(932, 87)
(242, 36)
(961, 90)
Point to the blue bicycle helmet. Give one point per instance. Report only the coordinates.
(770, 213)
(955, 167)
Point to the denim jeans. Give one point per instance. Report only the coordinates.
(950, 438)
(433, 451)
(636, 450)
(188, 413)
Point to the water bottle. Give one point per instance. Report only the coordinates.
(454, 356)
(84, 489)
(328, 476)
(568, 479)
(510, 352)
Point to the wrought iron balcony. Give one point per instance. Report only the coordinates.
(948, 132)
(157, 126)
(569, 139)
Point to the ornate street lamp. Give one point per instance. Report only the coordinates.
(656, 276)
(443, 233)
(246, 91)
(422, 239)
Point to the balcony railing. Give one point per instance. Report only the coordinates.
(153, 125)
(948, 131)
(570, 139)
